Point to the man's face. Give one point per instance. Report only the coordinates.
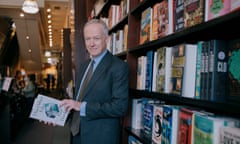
(95, 40)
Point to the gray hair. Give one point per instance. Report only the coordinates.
(98, 21)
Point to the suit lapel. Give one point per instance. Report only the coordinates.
(102, 66)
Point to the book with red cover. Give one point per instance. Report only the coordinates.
(185, 126)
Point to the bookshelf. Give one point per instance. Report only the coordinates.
(224, 27)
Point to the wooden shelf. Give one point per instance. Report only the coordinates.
(218, 107)
(220, 28)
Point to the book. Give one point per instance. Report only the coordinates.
(204, 71)
(157, 124)
(189, 73)
(133, 140)
(178, 15)
(233, 69)
(136, 121)
(155, 21)
(229, 135)
(163, 69)
(147, 120)
(125, 37)
(235, 5)
(198, 70)
(206, 129)
(217, 69)
(7, 84)
(162, 19)
(185, 126)
(216, 8)
(193, 12)
(47, 109)
(170, 124)
(141, 72)
(149, 70)
(146, 26)
(177, 68)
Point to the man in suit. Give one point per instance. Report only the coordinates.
(105, 98)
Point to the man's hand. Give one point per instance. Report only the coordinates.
(70, 104)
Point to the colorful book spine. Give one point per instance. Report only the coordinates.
(149, 70)
(157, 124)
(198, 70)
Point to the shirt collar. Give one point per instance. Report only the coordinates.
(99, 58)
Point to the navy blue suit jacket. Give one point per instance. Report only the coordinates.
(107, 101)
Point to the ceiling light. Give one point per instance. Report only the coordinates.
(30, 6)
(48, 10)
(21, 14)
(49, 16)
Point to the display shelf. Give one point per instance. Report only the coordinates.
(218, 107)
(224, 27)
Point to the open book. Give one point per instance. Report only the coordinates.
(47, 109)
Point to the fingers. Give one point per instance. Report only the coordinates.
(47, 123)
(69, 104)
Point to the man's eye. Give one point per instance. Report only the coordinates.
(96, 38)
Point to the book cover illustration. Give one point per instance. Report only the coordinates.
(146, 26)
(216, 8)
(185, 126)
(193, 12)
(234, 69)
(47, 109)
(229, 135)
(170, 124)
(160, 74)
(163, 19)
(155, 21)
(157, 124)
(148, 120)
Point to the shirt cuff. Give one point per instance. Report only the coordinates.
(83, 108)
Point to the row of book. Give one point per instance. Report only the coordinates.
(172, 124)
(169, 16)
(118, 41)
(117, 12)
(207, 70)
